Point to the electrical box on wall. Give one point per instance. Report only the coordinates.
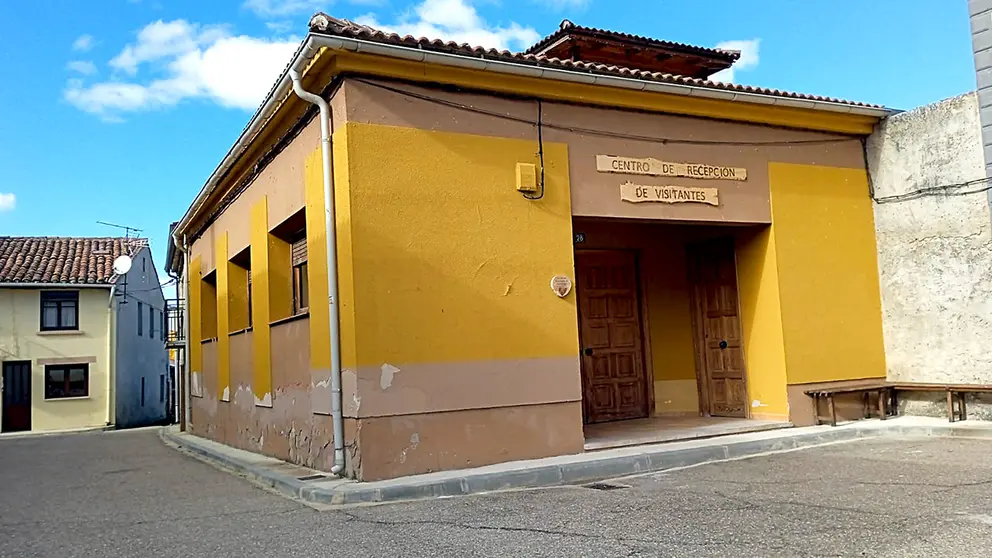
(526, 177)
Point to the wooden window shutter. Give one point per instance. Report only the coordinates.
(300, 251)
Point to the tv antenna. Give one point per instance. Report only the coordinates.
(127, 230)
(123, 263)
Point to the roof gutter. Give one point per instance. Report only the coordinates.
(314, 42)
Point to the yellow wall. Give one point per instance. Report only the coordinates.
(208, 310)
(669, 317)
(451, 263)
(320, 352)
(761, 321)
(237, 285)
(824, 235)
(21, 339)
(223, 319)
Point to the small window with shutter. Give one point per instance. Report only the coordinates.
(301, 290)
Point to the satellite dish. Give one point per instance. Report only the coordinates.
(122, 265)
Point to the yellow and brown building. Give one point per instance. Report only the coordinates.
(525, 244)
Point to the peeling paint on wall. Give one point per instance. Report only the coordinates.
(196, 386)
(226, 396)
(414, 442)
(265, 401)
(320, 391)
(386, 378)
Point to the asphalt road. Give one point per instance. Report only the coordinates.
(127, 494)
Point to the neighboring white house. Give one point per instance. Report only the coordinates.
(80, 346)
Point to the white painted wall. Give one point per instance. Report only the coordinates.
(934, 253)
(140, 356)
(21, 339)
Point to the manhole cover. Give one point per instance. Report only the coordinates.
(311, 477)
(605, 486)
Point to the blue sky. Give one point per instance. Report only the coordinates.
(118, 110)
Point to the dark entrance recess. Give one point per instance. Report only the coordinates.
(16, 397)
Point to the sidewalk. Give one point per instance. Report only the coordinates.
(319, 488)
(9, 435)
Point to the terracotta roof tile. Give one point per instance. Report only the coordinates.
(568, 27)
(324, 24)
(45, 259)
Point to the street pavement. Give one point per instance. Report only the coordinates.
(127, 494)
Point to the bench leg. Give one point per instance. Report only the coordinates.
(962, 411)
(950, 406)
(882, 411)
(833, 410)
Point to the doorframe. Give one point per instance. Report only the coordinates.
(3, 375)
(642, 302)
(698, 340)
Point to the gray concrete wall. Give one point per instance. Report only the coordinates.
(935, 256)
(141, 356)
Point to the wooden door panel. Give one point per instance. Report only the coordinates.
(16, 397)
(613, 374)
(714, 279)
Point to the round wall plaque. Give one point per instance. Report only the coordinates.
(561, 285)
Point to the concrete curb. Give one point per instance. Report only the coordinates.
(65, 432)
(558, 471)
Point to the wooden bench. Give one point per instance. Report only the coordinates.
(955, 394)
(881, 389)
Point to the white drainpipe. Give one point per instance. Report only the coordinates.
(332, 268)
(187, 374)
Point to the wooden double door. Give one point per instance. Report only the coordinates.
(617, 382)
(719, 339)
(611, 339)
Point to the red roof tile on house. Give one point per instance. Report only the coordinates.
(324, 24)
(47, 260)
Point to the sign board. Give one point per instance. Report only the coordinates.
(655, 167)
(636, 193)
(561, 285)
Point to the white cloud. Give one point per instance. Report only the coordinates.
(162, 39)
(277, 8)
(84, 67)
(456, 20)
(83, 43)
(7, 202)
(279, 26)
(177, 60)
(747, 61)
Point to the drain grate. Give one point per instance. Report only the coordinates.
(311, 477)
(605, 486)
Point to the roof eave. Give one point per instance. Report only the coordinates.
(335, 42)
(314, 41)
